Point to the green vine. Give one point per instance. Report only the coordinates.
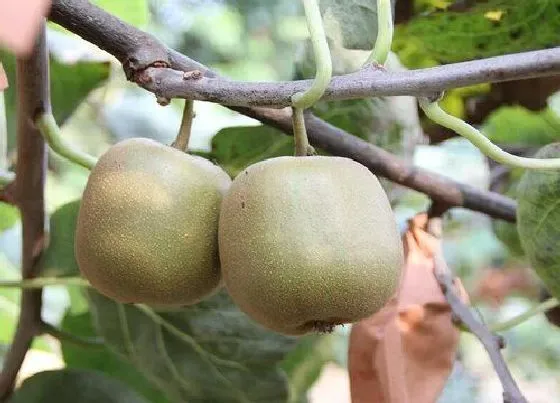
(46, 124)
(40, 282)
(384, 33)
(541, 308)
(438, 115)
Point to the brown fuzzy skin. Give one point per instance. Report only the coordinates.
(308, 242)
(147, 230)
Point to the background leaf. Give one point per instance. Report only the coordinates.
(100, 358)
(209, 352)
(235, 148)
(135, 12)
(59, 258)
(69, 386)
(70, 84)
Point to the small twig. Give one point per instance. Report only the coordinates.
(517, 320)
(182, 140)
(32, 87)
(72, 338)
(492, 343)
(40, 282)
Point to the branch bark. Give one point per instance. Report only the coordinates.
(32, 83)
(371, 81)
(492, 343)
(105, 31)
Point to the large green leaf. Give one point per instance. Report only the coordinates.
(71, 385)
(235, 148)
(538, 219)
(70, 85)
(100, 358)
(209, 352)
(519, 126)
(489, 28)
(59, 258)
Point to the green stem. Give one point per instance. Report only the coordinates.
(384, 33)
(182, 140)
(542, 307)
(300, 133)
(323, 63)
(6, 177)
(46, 124)
(40, 282)
(438, 115)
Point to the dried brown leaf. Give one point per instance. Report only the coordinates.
(405, 352)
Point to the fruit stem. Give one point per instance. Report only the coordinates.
(384, 33)
(46, 124)
(438, 115)
(40, 282)
(322, 54)
(542, 307)
(302, 147)
(6, 177)
(182, 140)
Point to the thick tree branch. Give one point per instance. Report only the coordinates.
(32, 83)
(120, 39)
(491, 342)
(368, 82)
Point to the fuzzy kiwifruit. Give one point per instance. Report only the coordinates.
(308, 243)
(147, 226)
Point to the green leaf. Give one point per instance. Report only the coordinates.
(306, 361)
(102, 359)
(538, 219)
(516, 125)
(9, 215)
(59, 258)
(71, 385)
(70, 85)
(9, 301)
(135, 12)
(209, 352)
(235, 148)
(352, 23)
(489, 28)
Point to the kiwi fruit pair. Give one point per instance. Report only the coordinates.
(304, 243)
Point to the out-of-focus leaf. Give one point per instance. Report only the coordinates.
(235, 148)
(352, 23)
(59, 258)
(516, 125)
(70, 85)
(209, 352)
(538, 219)
(71, 385)
(305, 362)
(9, 301)
(135, 12)
(451, 36)
(9, 215)
(100, 358)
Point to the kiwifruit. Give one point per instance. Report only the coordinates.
(308, 243)
(147, 229)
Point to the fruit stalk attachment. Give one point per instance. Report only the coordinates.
(384, 33)
(438, 115)
(46, 124)
(182, 140)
